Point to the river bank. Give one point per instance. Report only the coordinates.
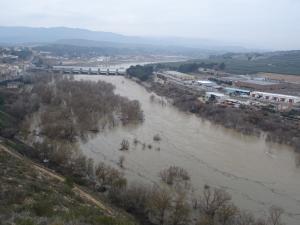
(256, 173)
(247, 120)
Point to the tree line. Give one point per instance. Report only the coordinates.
(67, 108)
(190, 67)
(143, 73)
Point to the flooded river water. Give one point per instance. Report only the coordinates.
(257, 174)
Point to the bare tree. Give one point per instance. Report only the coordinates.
(136, 198)
(156, 137)
(212, 201)
(159, 205)
(180, 214)
(124, 145)
(121, 161)
(205, 220)
(152, 97)
(109, 177)
(227, 213)
(244, 218)
(275, 214)
(90, 167)
(174, 175)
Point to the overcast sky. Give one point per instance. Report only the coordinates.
(269, 24)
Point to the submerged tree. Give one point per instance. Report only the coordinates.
(174, 175)
(124, 145)
(121, 161)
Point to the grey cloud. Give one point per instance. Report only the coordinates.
(260, 23)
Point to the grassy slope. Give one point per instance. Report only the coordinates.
(5, 120)
(29, 197)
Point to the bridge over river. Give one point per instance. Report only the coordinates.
(89, 70)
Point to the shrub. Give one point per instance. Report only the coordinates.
(42, 207)
(26, 221)
(174, 174)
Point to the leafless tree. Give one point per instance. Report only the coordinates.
(174, 174)
(109, 177)
(156, 137)
(124, 145)
(90, 168)
(275, 214)
(227, 214)
(121, 161)
(213, 200)
(159, 205)
(180, 213)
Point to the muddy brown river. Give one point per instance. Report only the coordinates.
(256, 173)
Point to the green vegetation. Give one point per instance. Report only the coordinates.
(190, 66)
(242, 63)
(8, 126)
(6, 120)
(141, 72)
(249, 63)
(29, 197)
(193, 67)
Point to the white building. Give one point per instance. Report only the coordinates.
(13, 85)
(205, 83)
(273, 97)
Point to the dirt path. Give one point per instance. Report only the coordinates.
(54, 175)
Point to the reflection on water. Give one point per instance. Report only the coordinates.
(256, 173)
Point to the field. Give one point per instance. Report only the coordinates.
(250, 63)
(275, 76)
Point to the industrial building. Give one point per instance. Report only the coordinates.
(272, 97)
(230, 80)
(215, 96)
(236, 91)
(13, 85)
(205, 83)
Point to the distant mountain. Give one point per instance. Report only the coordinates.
(19, 35)
(30, 34)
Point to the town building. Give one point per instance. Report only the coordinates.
(273, 97)
(236, 91)
(230, 80)
(205, 83)
(8, 58)
(13, 85)
(215, 96)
